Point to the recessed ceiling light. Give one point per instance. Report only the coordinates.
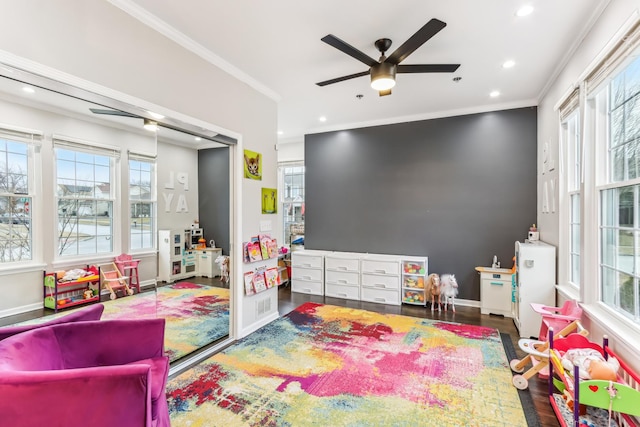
(323, 119)
(280, 132)
(28, 89)
(525, 10)
(508, 64)
(494, 94)
(150, 125)
(197, 138)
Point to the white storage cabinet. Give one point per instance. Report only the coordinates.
(342, 275)
(495, 291)
(307, 272)
(380, 279)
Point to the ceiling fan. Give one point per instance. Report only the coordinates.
(383, 72)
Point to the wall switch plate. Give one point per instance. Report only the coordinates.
(265, 225)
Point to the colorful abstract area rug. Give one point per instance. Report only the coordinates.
(196, 315)
(322, 365)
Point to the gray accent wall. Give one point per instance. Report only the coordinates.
(214, 196)
(458, 190)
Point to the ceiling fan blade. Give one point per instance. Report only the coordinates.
(429, 30)
(343, 78)
(112, 112)
(349, 50)
(384, 92)
(427, 68)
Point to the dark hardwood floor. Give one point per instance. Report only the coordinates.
(288, 300)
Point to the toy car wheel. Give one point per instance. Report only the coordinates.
(514, 366)
(130, 291)
(112, 296)
(520, 382)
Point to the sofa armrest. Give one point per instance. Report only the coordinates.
(98, 397)
(110, 342)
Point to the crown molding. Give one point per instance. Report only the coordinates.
(191, 45)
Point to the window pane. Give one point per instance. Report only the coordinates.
(609, 247)
(617, 164)
(85, 206)
(617, 126)
(626, 205)
(626, 293)
(575, 269)
(142, 209)
(609, 208)
(625, 255)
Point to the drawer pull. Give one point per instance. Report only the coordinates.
(381, 271)
(497, 283)
(340, 267)
(306, 277)
(306, 265)
(380, 299)
(380, 285)
(342, 295)
(307, 290)
(342, 281)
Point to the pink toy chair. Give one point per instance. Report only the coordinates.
(556, 317)
(129, 268)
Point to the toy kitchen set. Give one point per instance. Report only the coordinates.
(184, 253)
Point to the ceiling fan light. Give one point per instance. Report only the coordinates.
(150, 125)
(383, 76)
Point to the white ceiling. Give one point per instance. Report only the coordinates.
(275, 46)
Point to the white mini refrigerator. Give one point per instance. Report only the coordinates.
(534, 281)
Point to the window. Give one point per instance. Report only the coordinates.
(571, 140)
(620, 191)
(141, 202)
(292, 194)
(85, 195)
(15, 201)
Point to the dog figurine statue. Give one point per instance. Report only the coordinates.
(223, 264)
(433, 289)
(448, 290)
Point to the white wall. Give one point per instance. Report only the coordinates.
(611, 20)
(177, 186)
(97, 42)
(291, 151)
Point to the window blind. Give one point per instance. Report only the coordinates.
(71, 143)
(569, 104)
(14, 133)
(142, 156)
(617, 55)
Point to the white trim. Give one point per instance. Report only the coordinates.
(70, 142)
(607, 49)
(38, 69)
(22, 309)
(259, 324)
(21, 268)
(620, 328)
(191, 45)
(428, 116)
(573, 48)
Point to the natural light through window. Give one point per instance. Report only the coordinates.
(15, 202)
(85, 202)
(141, 203)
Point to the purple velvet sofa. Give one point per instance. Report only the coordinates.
(92, 312)
(95, 373)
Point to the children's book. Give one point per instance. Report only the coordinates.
(253, 250)
(272, 248)
(271, 277)
(248, 283)
(259, 283)
(265, 243)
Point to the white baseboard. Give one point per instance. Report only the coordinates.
(22, 309)
(259, 324)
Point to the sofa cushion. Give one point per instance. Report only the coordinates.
(159, 372)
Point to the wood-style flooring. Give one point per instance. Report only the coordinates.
(288, 300)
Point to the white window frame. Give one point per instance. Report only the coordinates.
(152, 201)
(33, 141)
(89, 147)
(283, 196)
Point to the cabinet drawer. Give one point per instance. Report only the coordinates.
(308, 261)
(307, 287)
(382, 296)
(379, 281)
(342, 278)
(306, 274)
(342, 264)
(379, 266)
(340, 291)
